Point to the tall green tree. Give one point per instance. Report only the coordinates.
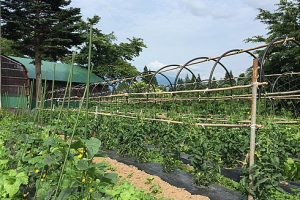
(147, 76)
(284, 21)
(228, 77)
(110, 59)
(187, 79)
(41, 29)
(199, 78)
(145, 72)
(199, 81)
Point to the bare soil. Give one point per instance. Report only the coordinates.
(149, 183)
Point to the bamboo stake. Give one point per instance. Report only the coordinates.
(44, 92)
(88, 79)
(69, 146)
(31, 94)
(65, 94)
(253, 125)
(96, 111)
(52, 88)
(71, 78)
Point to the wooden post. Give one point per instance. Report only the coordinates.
(253, 124)
(96, 112)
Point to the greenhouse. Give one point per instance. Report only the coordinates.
(18, 79)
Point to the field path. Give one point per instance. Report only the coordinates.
(148, 183)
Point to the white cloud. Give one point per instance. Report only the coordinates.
(176, 31)
(155, 65)
(205, 8)
(264, 4)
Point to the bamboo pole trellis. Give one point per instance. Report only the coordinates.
(165, 96)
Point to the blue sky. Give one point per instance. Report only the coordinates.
(176, 31)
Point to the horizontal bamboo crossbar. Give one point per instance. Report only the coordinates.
(273, 94)
(193, 91)
(178, 122)
(168, 120)
(159, 100)
(244, 122)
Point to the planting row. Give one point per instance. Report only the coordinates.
(36, 163)
(209, 149)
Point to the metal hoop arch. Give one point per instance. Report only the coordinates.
(200, 58)
(266, 51)
(167, 66)
(158, 71)
(223, 55)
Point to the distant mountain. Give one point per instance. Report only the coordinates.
(163, 81)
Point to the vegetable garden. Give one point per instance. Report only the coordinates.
(203, 128)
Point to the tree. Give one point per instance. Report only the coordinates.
(180, 84)
(228, 76)
(231, 74)
(199, 79)
(41, 29)
(109, 59)
(284, 21)
(148, 76)
(187, 79)
(145, 78)
(180, 81)
(8, 47)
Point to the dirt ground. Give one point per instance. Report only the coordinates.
(149, 183)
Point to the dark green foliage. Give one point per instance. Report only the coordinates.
(284, 21)
(109, 59)
(210, 148)
(49, 28)
(41, 29)
(8, 47)
(31, 157)
(148, 76)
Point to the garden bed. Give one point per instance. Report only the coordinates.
(149, 183)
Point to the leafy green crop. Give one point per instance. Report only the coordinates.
(209, 148)
(31, 157)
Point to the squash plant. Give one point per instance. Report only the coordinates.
(32, 155)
